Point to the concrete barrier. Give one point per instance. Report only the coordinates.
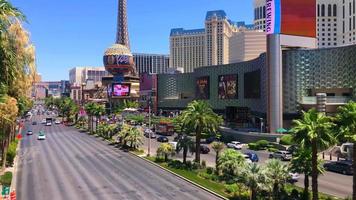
(229, 134)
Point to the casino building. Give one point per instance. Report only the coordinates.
(239, 91)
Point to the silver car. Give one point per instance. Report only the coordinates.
(283, 155)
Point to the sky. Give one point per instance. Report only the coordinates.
(72, 33)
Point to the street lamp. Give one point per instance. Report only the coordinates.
(261, 123)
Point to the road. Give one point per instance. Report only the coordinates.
(330, 183)
(73, 165)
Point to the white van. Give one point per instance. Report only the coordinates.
(174, 145)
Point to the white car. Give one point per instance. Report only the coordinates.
(29, 132)
(294, 177)
(41, 136)
(48, 124)
(57, 122)
(235, 145)
(43, 121)
(173, 144)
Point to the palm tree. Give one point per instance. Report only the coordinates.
(186, 144)
(231, 162)
(254, 178)
(90, 110)
(314, 129)
(123, 134)
(200, 117)
(218, 147)
(98, 111)
(134, 137)
(277, 175)
(165, 150)
(347, 120)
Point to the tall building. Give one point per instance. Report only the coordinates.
(190, 49)
(151, 63)
(336, 23)
(79, 75)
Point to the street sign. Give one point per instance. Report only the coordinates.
(5, 190)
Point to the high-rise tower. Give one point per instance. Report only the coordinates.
(118, 59)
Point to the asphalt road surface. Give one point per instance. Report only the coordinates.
(73, 165)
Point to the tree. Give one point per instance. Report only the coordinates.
(314, 129)
(123, 134)
(186, 144)
(165, 150)
(200, 117)
(98, 111)
(347, 120)
(218, 147)
(302, 163)
(277, 175)
(231, 163)
(90, 110)
(254, 178)
(134, 137)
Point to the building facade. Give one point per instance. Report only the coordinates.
(194, 48)
(336, 25)
(151, 63)
(79, 75)
(239, 90)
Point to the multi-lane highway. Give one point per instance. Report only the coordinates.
(73, 165)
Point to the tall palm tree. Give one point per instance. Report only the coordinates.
(165, 150)
(231, 162)
(186, 144)
(134, 137)
(277, 175)
(314, 129)
(98, 111)
(200, 117)
(347, 120)
(123, 134)
(90, 110)
(254, 178)
(218, 147)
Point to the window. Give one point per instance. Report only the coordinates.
(318, 10)
(343, 12)
(322, 10)
(335, 10)
(329, 10)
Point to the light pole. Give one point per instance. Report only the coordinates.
(261, 123)
(149, 126)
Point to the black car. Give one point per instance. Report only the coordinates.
(344, 167)
(162, 139)
(34, 123)
(204, 149)
(211, 139)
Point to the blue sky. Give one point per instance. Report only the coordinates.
(69, 33)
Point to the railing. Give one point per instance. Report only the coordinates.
(329, 100)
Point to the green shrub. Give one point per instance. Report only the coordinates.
(209, 170)
(11, 153)
(176, 164)
(231, 189)
(286, 140)
(272, 150)
(6, 179)
(262, 144)
(252, 146)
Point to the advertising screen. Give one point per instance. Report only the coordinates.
(228, 86)
(203, 88)
(120, 90)
(291, 17)
(252, 85)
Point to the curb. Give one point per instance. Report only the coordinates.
(181, 177)
(14, 173)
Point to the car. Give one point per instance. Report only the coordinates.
(293, 177)
(29, 132)
(49, 124)
(34, 123)
(178, 137)
(41, 136)
(342, 166)
(247, 158)
(211, 139)
(147, 134)
(162, 139)
(283, 155)
(235, 145)
(57, 122)
(43, 121)
(252, 156)
(204, 149)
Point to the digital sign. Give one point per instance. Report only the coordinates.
(228, 86)
(121, 90)
(203, 87)
(291, 17)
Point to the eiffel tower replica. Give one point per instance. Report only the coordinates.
(118, 61)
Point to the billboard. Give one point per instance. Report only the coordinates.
(121, 90)
(203, 87)
(228, 86)
(291, 17)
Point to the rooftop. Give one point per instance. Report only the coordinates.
(220, 14)
(181, 31)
